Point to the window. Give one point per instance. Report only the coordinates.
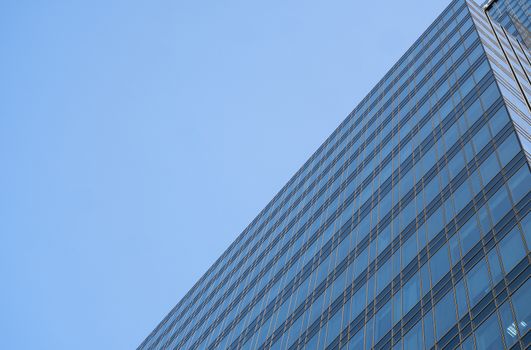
(413, 339)
(435, 224)
(461, 299)
(489, 169)
(508, 149)
(481, 138)
(478, 282)
(383, 321)
(511, 249)
(469, 235)
(508, 325)
(498, 121)
(488, 335)
(474, 112)
(439, 265)
(519, 184)
(383, 276)
(409, 249)
(445, 314)
(411, 293)
(428, 330)
(334, 326)
(495, 268)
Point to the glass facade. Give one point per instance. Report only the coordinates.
(409, 228)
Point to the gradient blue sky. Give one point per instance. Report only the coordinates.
(138, 138)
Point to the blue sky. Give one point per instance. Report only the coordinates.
(138, 138)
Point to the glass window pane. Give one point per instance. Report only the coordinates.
(445, 314)
(520, 184)
(439, 265)
(429, 336)
(383, 321)
(495, 268)
(508, 325)
(469, 235)
(411, 293)
(413, 339)
(499, 205)
(508, 149)
(478, 282)
(488, 335)
(461, 299)
(511, 249)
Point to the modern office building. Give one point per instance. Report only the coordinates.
(409, 228)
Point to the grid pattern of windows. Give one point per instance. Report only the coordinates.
(408, 228)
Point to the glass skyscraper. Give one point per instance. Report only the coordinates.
(409, 228)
